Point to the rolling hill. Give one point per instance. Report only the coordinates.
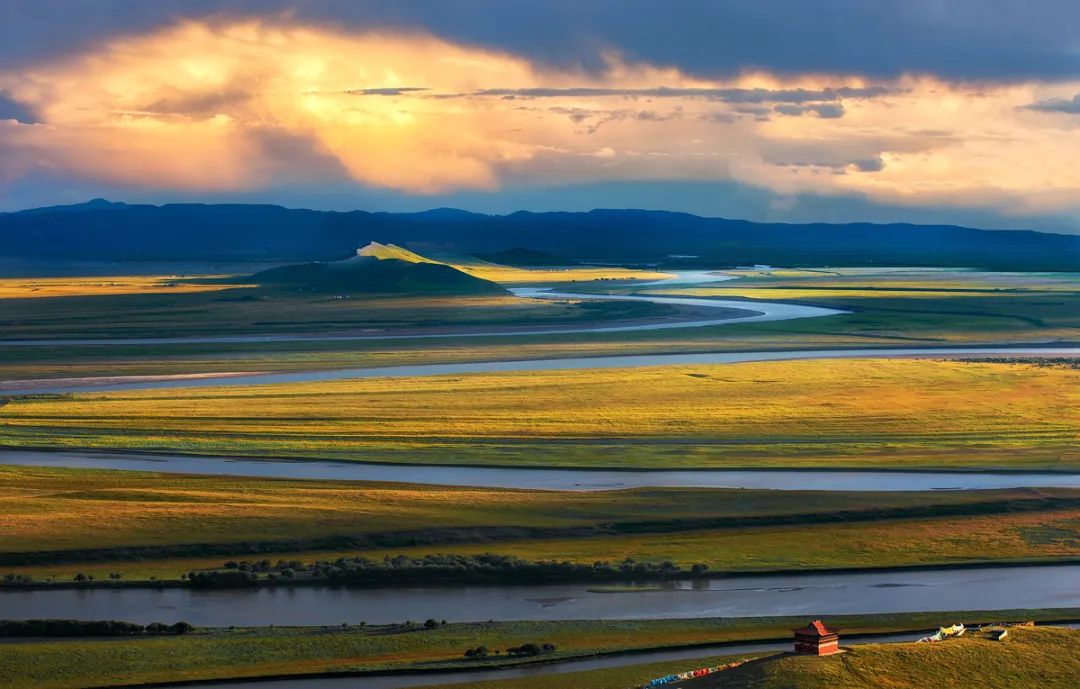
(100, 230)
(376, 268)
(1045, 657)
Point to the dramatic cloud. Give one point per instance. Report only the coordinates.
(11, 110)
(826, 110)
(984, 40)
(1070, 106)
(240, 104)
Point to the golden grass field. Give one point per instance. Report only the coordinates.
(50, 509)
(835, 413)
(508, 275)
(117, 285)
(894, 543)
(47, 508)
(39, 288)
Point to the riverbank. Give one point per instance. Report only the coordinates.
(436, 654)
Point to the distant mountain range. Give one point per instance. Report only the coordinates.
(376, 268)
(101, 230)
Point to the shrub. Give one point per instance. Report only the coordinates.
(181, 627)
(531, 649)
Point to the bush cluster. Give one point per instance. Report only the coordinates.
(404, 569)
(523, 651)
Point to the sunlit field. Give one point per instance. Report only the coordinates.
(159, 523)
(828, 413)
(511, 275)
(895, 543)
(38, 288)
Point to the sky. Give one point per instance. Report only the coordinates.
(956, 111)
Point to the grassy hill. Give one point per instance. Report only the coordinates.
(378, 269)
(1046, 657)
(385, 252)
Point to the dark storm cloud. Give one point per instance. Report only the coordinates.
(388, 91)
(13, 110)
(1070, 107)
(964, 39)
(869, 164)
(725, 95)
(822, 110)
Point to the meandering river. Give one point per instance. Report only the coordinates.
(567, 364)
(743, 311)
(543, 479)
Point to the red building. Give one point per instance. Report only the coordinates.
(816, 639)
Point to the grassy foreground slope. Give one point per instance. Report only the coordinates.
(1029, 657)
(165, 525)
(254, 652)
(1033, 657)
(839, 413)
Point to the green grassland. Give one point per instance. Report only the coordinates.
(888, 308)
(161, 526)
(209, 309)
(253, 652)
(824, 413)
(1031, 657)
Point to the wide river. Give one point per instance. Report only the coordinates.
(544, 479)
(1054, 586)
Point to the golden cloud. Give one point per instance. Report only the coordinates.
(207, 105)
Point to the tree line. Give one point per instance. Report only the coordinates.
(487, 567)
(11, 628)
